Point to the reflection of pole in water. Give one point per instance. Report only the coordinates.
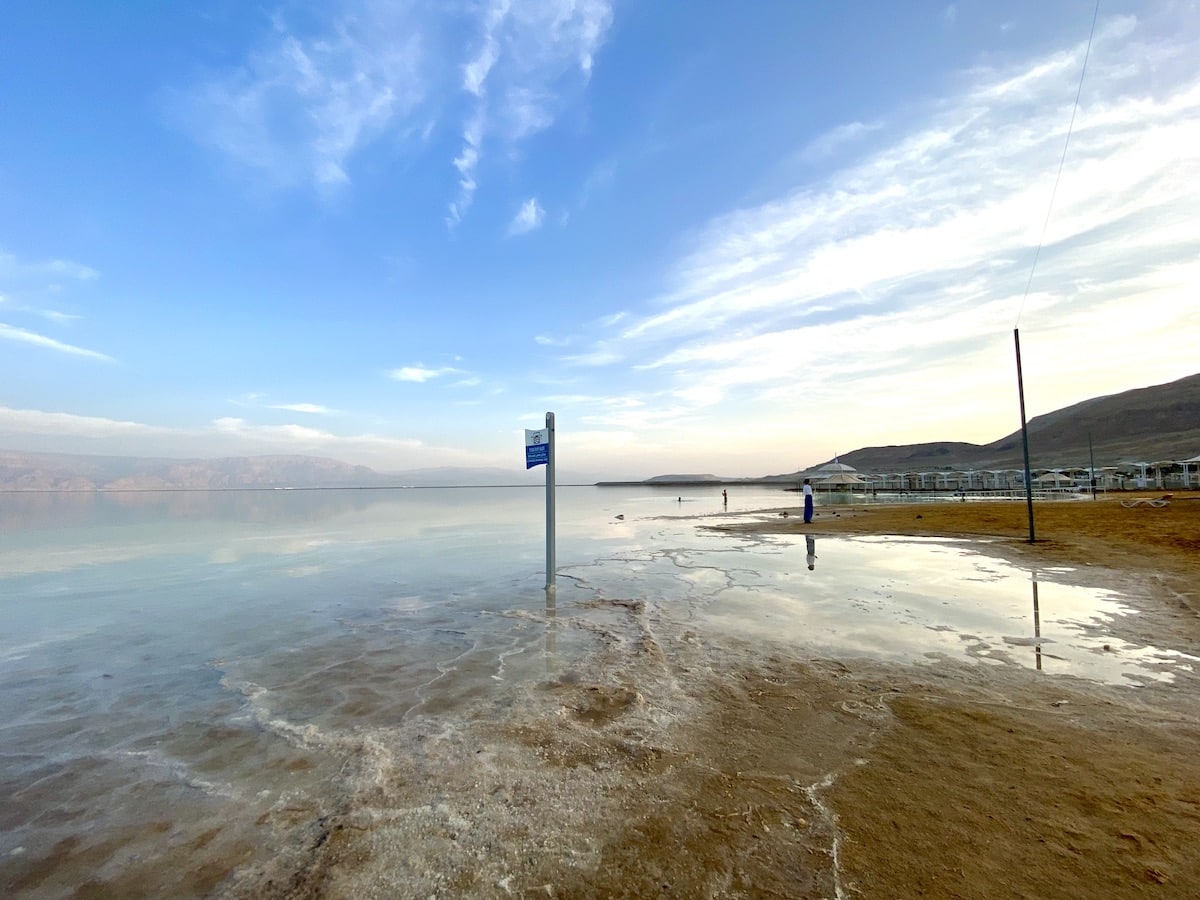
(551, 627)
(1037, 624)
(810, 545)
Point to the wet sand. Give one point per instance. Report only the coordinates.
(1077, 531)
(1002, 784)
(670, 766)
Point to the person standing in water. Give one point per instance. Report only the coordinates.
(808, 500)
(725, 498)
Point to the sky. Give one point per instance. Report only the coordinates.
(727, 238)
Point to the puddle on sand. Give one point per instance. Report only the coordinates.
(916, 600)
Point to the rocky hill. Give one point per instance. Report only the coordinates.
(1151, 424)
(1144, 425)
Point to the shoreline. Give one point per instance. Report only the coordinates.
(1158, 541)
(680, 758)
(988, 780)
(733, 769)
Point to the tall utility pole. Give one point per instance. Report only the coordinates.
(1024, 433)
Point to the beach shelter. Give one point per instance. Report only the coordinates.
(836, 474)
(1141, 481)
(837, 467)
(1054, 479)
(1162, 470)
(1000, 477)
(838, 479)
(1187, 469)
(1104, 476)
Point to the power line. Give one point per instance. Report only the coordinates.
(1061, 163)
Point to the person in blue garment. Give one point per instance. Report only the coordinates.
(808, 500)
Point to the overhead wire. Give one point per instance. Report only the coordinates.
(1066, 144)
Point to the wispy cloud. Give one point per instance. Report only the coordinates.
(222, 436)
(311, 408)
(920, 206)
(527, 53)
(290, 433)
(824, 146)
(33, 421)
(10, 333)
(13, 269)
(602, 177)
(55, 315)
(305, 101)
(528, 218)
(871, 281)
(419, 374)
(316, 91)
(51, 315)
(599, 356)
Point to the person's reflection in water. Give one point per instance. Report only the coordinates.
(810, 544)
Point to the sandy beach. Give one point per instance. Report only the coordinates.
(990, 783)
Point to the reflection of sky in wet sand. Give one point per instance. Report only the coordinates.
(904, 599)
(172, 672)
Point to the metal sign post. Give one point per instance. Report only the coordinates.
(539, 451)
(550, 561)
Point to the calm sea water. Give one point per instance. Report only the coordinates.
(190, 681)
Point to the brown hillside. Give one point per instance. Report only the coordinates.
(1147, 424)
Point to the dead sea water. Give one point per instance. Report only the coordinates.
(195, 686)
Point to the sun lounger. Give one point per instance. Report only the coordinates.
(1162, 501)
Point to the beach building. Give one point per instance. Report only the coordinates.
(1177, 474)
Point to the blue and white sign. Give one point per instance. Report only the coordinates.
(537, 447)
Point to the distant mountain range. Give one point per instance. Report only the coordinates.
(52, 471)
(66, 472)
(1144, 425)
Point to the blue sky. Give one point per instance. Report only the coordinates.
(712, 237)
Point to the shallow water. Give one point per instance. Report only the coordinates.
(190, 681)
